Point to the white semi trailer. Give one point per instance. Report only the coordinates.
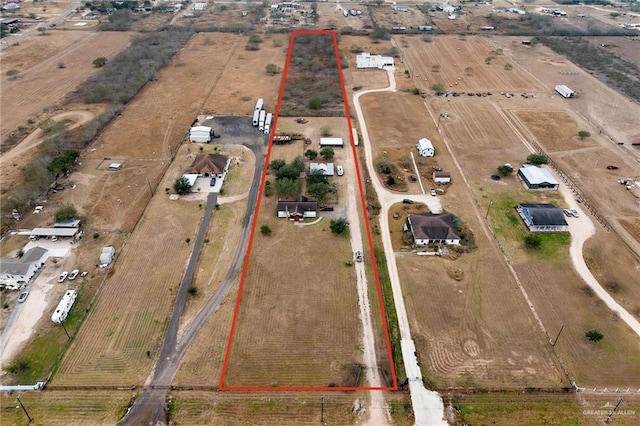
(256, 117)
(267, 123)
(259, 104)
(263, 116)
(565, 91)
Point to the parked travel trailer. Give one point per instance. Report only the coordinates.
(259, 104)
(267, 123)
(263, 116)
(256, 117)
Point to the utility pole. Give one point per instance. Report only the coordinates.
(488, 208)
(65, 330)
(613, 411)
(24, 409)
(558, 336)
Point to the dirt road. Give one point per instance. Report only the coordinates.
(428, 407)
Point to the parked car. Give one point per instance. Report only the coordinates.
(567, 213)
(574, 212)
(407, 201)
(340, 170)
(358, 256)
(84, 274)
(38, 209)
(23, 296)
(74, 274)
(613, 167)
(33, 238)
(63, 276)
(212, 182)
(54, 238)
(433, 192)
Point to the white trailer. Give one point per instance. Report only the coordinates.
(256, 117)
(267, 123)
(263, 116)
(565, 91)
(259, 104)
(64, 307)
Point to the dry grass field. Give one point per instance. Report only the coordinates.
(460, 65)
(65, 407)
(555, 130)
(41, 82)
(281, 408)
(245, 78)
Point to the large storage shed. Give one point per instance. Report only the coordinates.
(331, 142)
(366, 60)
(200, 134)
(535, 177)
(425, 148)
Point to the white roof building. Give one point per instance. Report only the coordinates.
(326, 169)
(202, 134)
(107, 256)
(537, 177)
(366, 60)
(331, 142)
(425, 148)
(54, 232)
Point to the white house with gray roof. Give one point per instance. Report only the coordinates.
(15, 272)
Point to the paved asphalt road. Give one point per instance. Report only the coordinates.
(150, 406)
(15, 39)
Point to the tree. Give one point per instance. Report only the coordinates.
(42, 30)
(594, 335)
(277, 164)
(288, 171)
(311, 154)
(383, 166)
(63, 162)
(532, 241)
(99, 62)
(314, 12)
(327, 153)
(182, 186)
(468, 71)
(12, 72)
(378, 3)
(437, 87)
(265, 230)
(505, 170)
(319, 191)
(272, 69)
(315, 103)
(316, 176)
(325, 131)
(298, 164)
(338, 226)
(65, 213)
(287, 187)
(537, 159)
(583, 134)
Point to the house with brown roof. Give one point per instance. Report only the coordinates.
(433, 228)
(209, 165)
(441, 177)
(297, 209)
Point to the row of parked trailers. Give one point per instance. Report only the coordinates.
(261, 118)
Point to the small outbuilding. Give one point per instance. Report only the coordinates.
(425, 148)
(200, 134)
(325, 168)
(331, 142)
(114, 167)
(441, 177)
(433, 228)
(401, 8)
(535, 177)
(106, 257)
(543, 217)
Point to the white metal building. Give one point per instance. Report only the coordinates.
(201, 134)
(326, 169)
(535, 177)
(565, 91)
(55, 232)
(107, 256)
(331, 142)
(425, 148)
(366, 60)
(65, 305)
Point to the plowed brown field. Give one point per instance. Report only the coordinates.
(43, 84)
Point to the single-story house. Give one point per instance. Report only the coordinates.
(201, 134)
(543, 217)
(331, 142)
(15, 272)
(89, 16)
(425, 148)
(297, 209)
(447, 8)
(366, 60)
(401, 8)
(442, 177)
(326, 169)
(433, 228)
(106, 256)
(535, 177)
(210, 165)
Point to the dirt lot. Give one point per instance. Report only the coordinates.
(460, 65)
(41, 82)
(624, 47)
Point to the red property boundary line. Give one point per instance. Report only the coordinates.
(225, 363)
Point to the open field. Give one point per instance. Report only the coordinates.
(66, 407)
(555, 130)
(281, 408)
(41, 85)
(245, 78)
(624, 47)
(460, 65)
(545, 408)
